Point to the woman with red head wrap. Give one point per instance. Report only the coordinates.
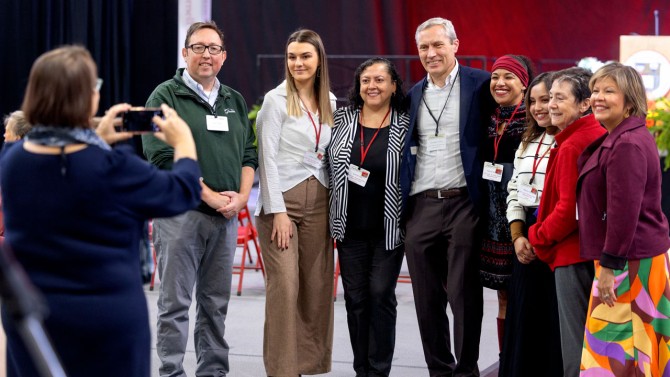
(509, 79)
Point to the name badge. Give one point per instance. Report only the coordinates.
(218, 123)
(527, 194)
(493, 172)
(314, 159)
(358, 175)
(437, 143)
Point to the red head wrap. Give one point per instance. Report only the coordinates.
(509, 63)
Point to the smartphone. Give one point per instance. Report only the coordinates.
(139, 121)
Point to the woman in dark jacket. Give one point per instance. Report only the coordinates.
(365, 205)
(74, 211)
(622, 227)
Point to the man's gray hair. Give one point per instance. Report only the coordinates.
(446, 24)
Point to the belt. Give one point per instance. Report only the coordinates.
(445, 194)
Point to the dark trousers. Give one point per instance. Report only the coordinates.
(531, 319)
(369, 276)
(442, 248)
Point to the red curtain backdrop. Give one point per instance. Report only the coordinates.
(552, 33)
(546, 29)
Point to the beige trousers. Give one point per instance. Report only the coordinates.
(298, 337)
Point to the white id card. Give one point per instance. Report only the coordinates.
(358, 175)
(314, 159)
(217, 123)
(527, 194)
(492, 172)
(437, 143)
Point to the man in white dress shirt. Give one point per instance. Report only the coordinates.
(440, 179)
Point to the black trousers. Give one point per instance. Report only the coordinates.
(532, 343)
(369, 276)
(442, 246)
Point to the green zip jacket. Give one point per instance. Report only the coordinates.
(221, 154)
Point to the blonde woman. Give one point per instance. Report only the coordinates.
(294, 130)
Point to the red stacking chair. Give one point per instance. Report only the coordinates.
(246, 232)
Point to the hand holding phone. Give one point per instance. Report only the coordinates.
(139, 120)
(106, 126)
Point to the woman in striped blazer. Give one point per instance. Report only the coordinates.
(365, 208)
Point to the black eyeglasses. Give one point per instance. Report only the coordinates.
(200, 49)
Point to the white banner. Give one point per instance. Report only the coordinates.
(190, 11)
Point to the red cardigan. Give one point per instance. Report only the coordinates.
(554, 236)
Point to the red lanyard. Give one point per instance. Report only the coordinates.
(496, 140)
(317, 132)
(364, 151)
(536, 161)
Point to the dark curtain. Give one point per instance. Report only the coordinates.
(132, 42)
(253, 27)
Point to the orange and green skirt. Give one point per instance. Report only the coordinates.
(633, 337)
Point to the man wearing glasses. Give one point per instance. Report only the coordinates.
(197, 248)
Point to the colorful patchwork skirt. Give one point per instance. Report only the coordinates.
(633, 337)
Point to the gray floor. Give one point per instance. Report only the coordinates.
(244, 333)
(244, 330)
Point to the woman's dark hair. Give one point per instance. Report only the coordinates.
(398, 97)
(533, 130)
(60, 88)
(528, 64)
(579, 82)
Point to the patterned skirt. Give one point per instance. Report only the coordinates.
(633, 337)
(497, 251)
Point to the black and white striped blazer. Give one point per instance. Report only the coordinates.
(339, 155)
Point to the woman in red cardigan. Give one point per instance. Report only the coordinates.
(554, 236)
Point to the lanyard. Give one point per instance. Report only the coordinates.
(364, 151)
(536, 162)
(423, 98)
(317, 132)
(496, 140)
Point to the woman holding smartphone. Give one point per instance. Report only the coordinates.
(75, 210)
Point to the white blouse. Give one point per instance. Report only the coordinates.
(523, 171)
(283, 141)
